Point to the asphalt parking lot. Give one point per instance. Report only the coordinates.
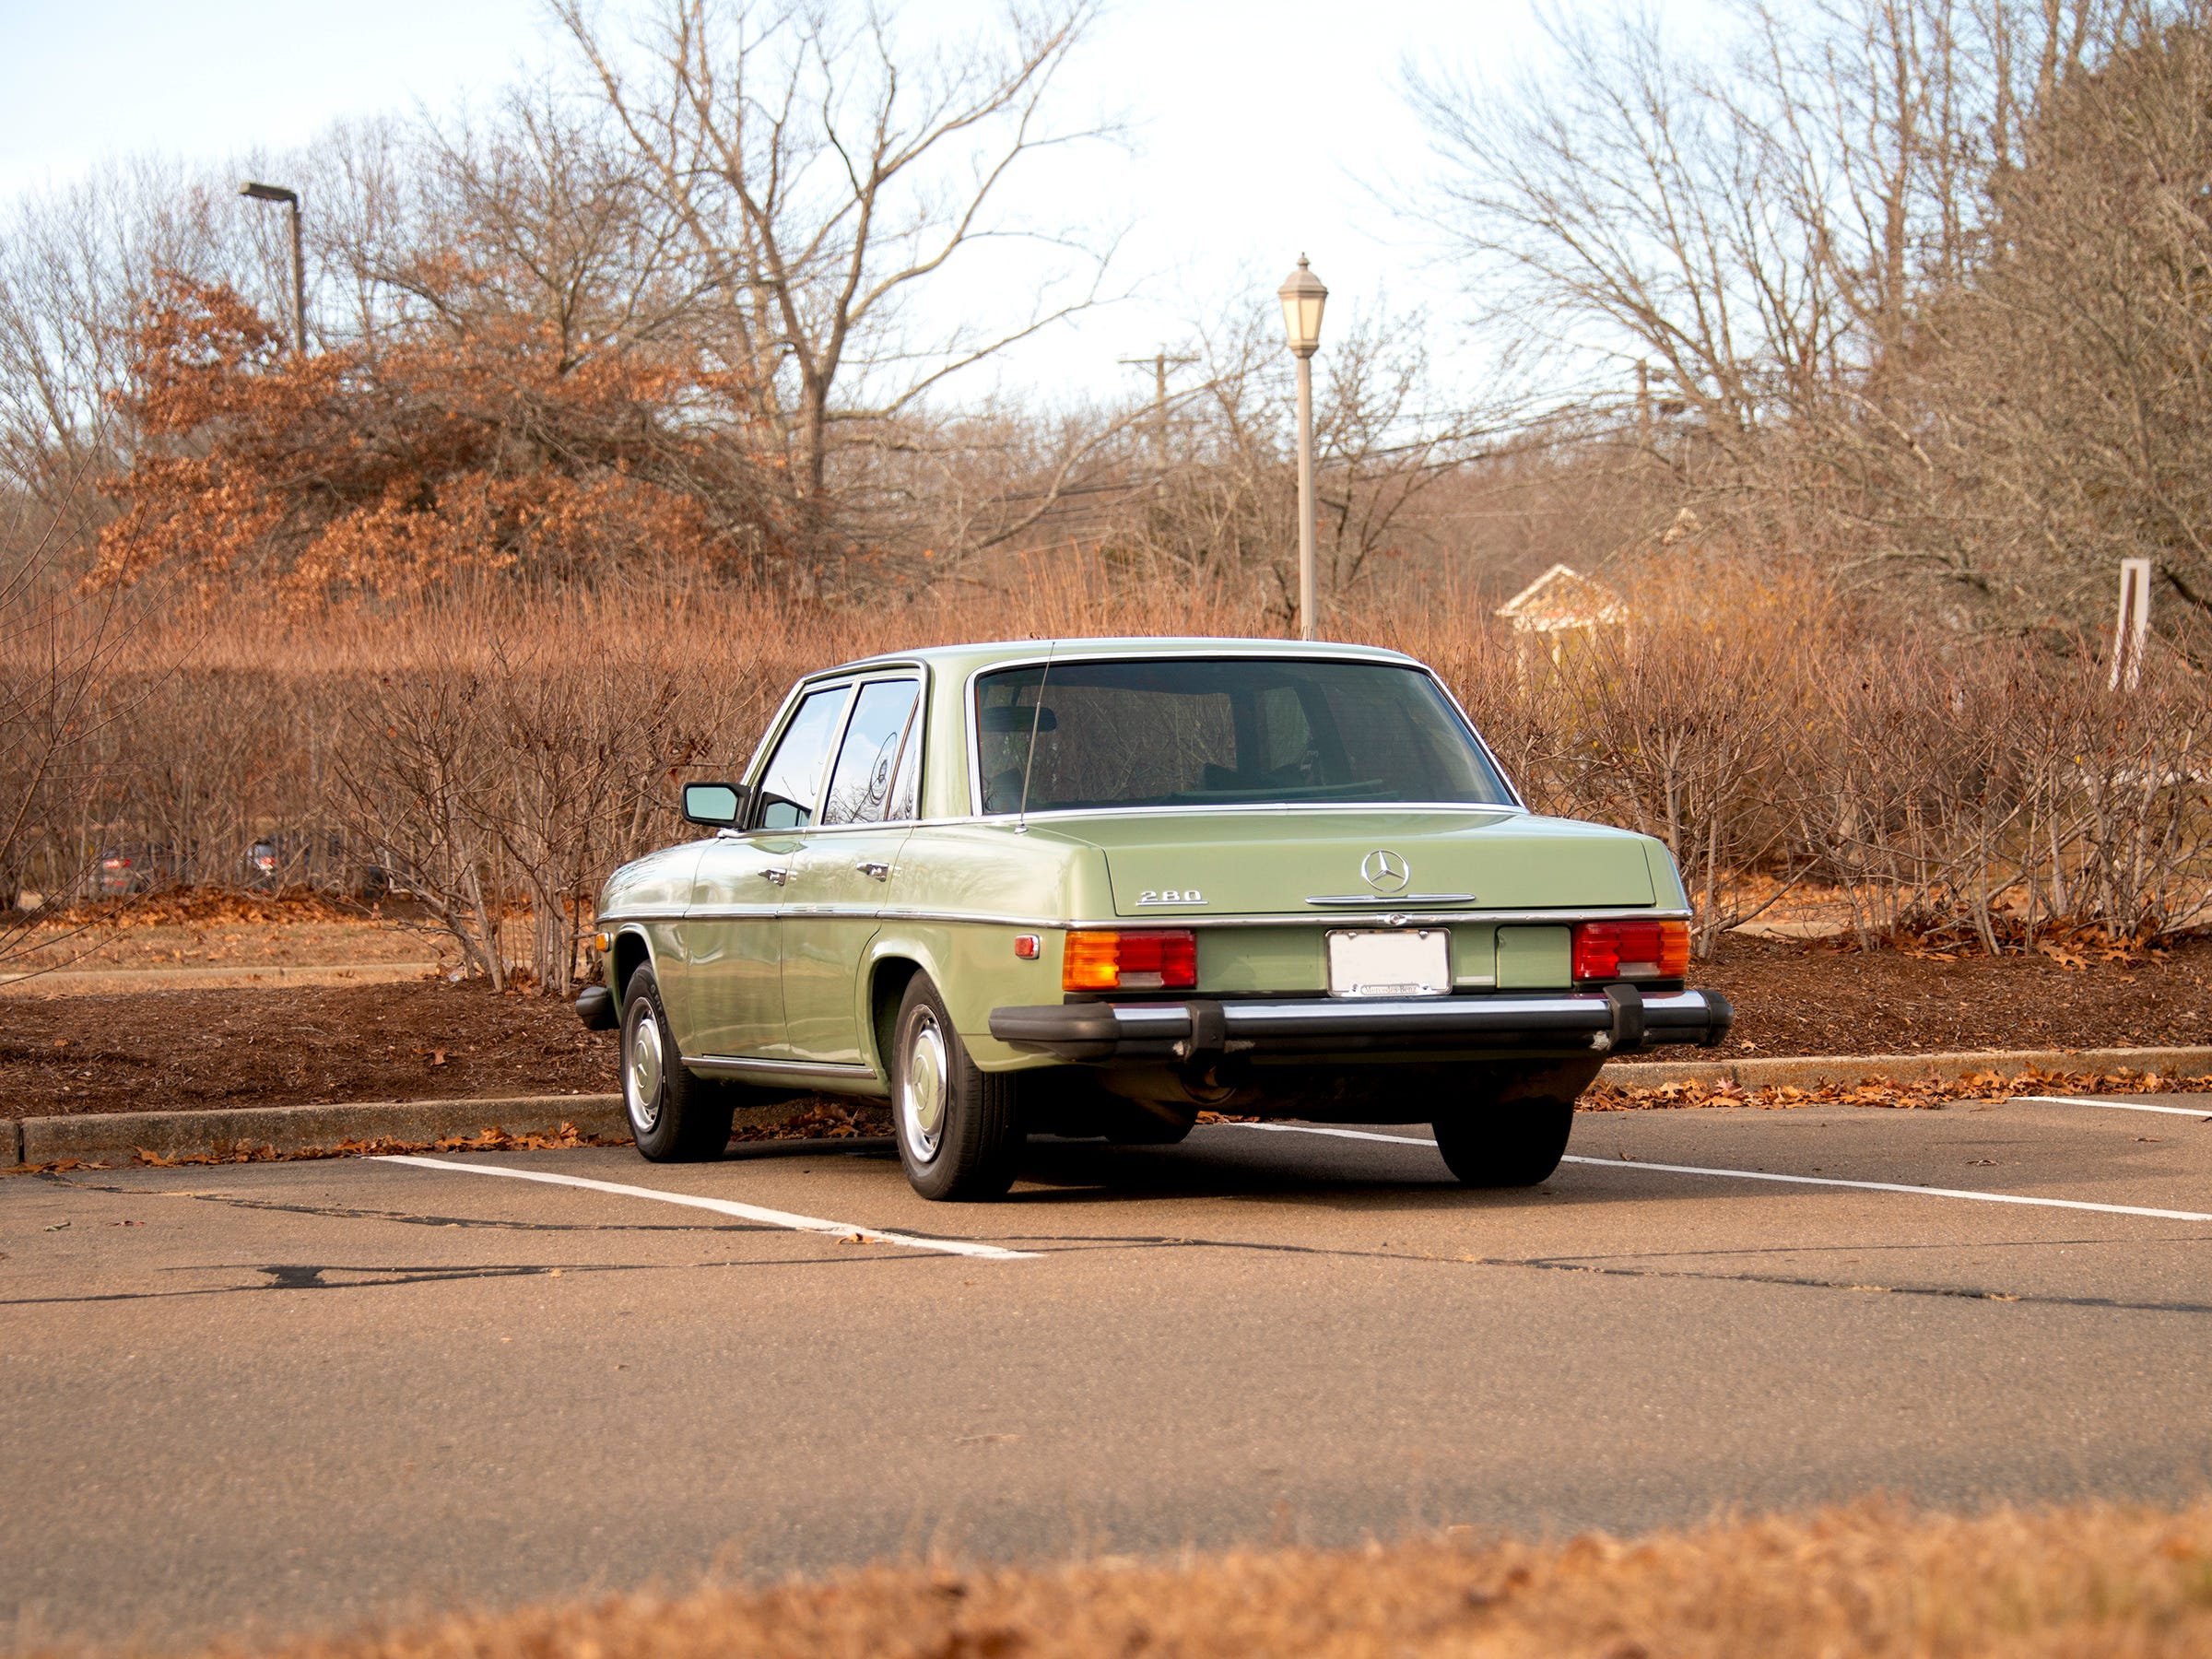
(253, 1398)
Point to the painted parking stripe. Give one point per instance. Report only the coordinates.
(722, 1207)
(1826, 1181)
(2194, 1112)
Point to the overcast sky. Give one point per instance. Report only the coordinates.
(1257, 125)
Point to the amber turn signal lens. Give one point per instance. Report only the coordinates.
(1631, 950)
(602, 941)
(1160, 960)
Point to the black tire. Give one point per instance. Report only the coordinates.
(1513, 1144)
(958, 1130)
(674, 1116)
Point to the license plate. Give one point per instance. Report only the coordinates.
(1390, 962)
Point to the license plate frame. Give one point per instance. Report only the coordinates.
(1367, 963)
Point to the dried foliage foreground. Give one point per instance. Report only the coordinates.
(1867, 1580)
(497, 754)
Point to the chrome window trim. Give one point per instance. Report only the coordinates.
(1293, 650)
(889, 668)
(807, 690)
(844, 726)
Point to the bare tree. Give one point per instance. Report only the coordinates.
(822, 172)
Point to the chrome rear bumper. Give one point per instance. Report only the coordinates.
(1618, 1019)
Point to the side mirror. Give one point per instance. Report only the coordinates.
(717, 805)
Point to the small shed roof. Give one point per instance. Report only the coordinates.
(1562, 598)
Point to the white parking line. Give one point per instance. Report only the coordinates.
(726, 1207)
(2194, 1112)
(1827, 1181)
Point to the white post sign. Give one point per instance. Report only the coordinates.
(2133, 628)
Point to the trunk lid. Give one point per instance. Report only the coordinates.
(1273, 863)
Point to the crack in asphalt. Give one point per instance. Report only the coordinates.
(412, 1219)
(289, 1276)
(1805, 1282)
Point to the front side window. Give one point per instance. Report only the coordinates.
(795, 772)
(1165, 732)
(867, 761)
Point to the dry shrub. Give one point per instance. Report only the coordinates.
(498, 752)
(1867, 1580)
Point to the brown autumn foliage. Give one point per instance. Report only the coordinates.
(497, 753)
(492, 447)
(1873, 1579)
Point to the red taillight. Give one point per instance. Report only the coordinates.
(1631, 950)
(1161, 960)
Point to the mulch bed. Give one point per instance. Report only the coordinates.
(154, 1049)
(1798, 999)
(147, 1050)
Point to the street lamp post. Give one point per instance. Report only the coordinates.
(277, 193)
(1303, 296)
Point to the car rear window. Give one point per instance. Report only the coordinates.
(1225, 732)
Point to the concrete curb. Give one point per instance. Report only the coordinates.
(112, 1136)
(1903, 1068)
(107, 981)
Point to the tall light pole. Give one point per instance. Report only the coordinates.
(1303, 296)
(277, 193)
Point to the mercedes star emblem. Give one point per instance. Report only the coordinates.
(1385, 871)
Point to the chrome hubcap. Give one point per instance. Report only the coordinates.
(642, 1073)
(922, 1088)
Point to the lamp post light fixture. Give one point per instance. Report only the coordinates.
(1303, 296)
(277, 193)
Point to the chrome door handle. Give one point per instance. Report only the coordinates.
(777, 875)
(882, 872)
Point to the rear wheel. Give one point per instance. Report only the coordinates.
(959, 1135)
(674, 1116)
(1515, 1144)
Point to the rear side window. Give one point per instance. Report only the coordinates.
(867, 761)
(793, 778)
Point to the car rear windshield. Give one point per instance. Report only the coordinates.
(1223, 732)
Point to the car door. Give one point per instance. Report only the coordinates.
(848, 871)
(733, 929)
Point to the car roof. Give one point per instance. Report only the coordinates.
(967, 659)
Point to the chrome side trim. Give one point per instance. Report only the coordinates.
(982, 918)
(1375, 901)
(1640, 912)
(863, 1080)
(797, 1068)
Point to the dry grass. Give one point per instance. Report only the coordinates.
(1870, 1579)
(498, 750)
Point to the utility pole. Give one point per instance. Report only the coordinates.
(1159, 362)
(278, 193)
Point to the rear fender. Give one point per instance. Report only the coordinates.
(974, 969)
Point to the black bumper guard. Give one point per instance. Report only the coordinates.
(1617, 1020)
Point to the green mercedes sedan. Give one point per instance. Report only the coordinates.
(1096, 887)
